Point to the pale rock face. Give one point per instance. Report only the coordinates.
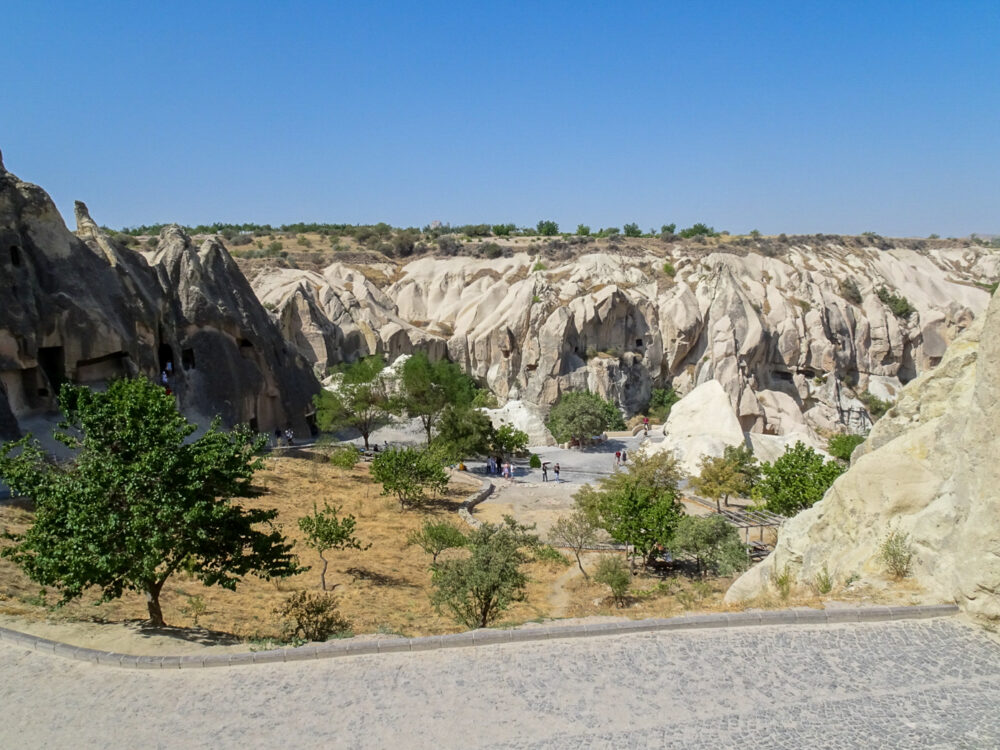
(928, 469)
(523, 416)
(84, 309)
(703, 423)
(776, 333)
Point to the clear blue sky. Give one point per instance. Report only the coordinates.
(785, 116)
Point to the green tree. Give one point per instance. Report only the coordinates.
(733, 473)
(632, 230)
(345, 456)
(583, 230)
(477, 588)
(361, 402)
(796, 480)
(613, 573)
(897, 304)
(668, 229)
(435, 538)
(324, 531)
(842, 446)
(408, 473)
(139, 500)
(661, 401)
(712, 542)
(428, 387)
(697, 230)
(547, 228)
(578, 415)
(577, 532)
(463, 432)
(508, 440)
(638, 507)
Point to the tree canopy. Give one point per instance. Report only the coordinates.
(325, 530)
(712, 541)
(796, 480)
(842, 446)
(138, 501)
(579, 415)
(732, 474)
(428, 388)
(408, 473)
(362, 400)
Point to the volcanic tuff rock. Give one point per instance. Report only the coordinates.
(82, 308)
(778, 333)
(928, 469)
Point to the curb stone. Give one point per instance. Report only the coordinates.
(478, 638)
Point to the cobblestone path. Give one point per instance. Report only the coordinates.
(908, 684)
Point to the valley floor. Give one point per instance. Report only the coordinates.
(906, 684)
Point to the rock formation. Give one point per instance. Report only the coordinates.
(929, 469)
(82, 308)
(782, 335)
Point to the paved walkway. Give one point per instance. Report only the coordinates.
(906, 684)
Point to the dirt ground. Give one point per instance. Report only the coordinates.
(383, 590)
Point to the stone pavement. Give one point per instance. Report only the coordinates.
(908, 684)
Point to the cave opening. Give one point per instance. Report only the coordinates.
(166, 356)
(187, 359)
(15, 255)
(53, 363)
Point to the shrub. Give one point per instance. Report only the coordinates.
(897, 304)
(698, 230)
(796, 480)
(407, 473)
(583, 230)
(842, 446)
(580, 414)
(491, 250)
(535, 462)
(712, 541)
(539, 266)
(661, 401)
(313, 617)
(613, 573)
(896, 553)
(274, 248)
(547, 228)
(503, 230)
(632, 230)
(435, 538)
(549, 554)
(668, 229)
(876, 406)
(849, 290)
(669, 270)
(824, 582)
(782, 581)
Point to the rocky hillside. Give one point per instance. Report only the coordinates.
(82, 308)
(794, 331)
(929, 469)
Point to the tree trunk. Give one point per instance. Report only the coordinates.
(153, 605)
(322, 573)
(580, 565)
(365, 436)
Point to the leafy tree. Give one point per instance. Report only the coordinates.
(842, 446)
(583, 230)
(733, 473)
(476, 589)
(578, 415)
(796, 480)
(668, 229)
(613, 573)
(362, 401)
(325, 531)
(850, 291)
(435, 538)
(632, 230)
(661, 401)
(463, 432)
(697, 230)
(640, 506)
(503, 230)
(897, 304)
(428, 387)
(712, 542)
(139, 500)
(508, 440)
(577, 532)
(408, 473)
(547, 228)
(484, 399)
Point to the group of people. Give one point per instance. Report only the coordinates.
(545, 471)
(496, 465)
(289, 436)
(621, 458)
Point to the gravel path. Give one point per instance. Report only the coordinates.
(931, 683)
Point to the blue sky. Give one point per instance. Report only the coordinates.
(784, 117)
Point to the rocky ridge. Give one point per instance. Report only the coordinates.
(784, 336)
(928, 470)
(82, 308)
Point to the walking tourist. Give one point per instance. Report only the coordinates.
(545, 471)
(555, 470)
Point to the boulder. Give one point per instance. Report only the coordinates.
(523, 416)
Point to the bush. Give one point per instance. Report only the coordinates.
(661, 401)
(583, 230)
(668, 229)
(842, 446)
(407, 473)
(579, 415)
(782, 581)
(713, 542)
(313, 617)
(669, 270)
(435, 538)
(503, 230)
(698, 230)
(632, 230)
(849, 290)
(896, 553)
(613, 573)
(539, 266)
(535, 462)
(796, 480)
(548, 554)
(897, 304)
(824, 582)
(876, 406)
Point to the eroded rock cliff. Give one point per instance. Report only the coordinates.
(82, 308)
(929, 469)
